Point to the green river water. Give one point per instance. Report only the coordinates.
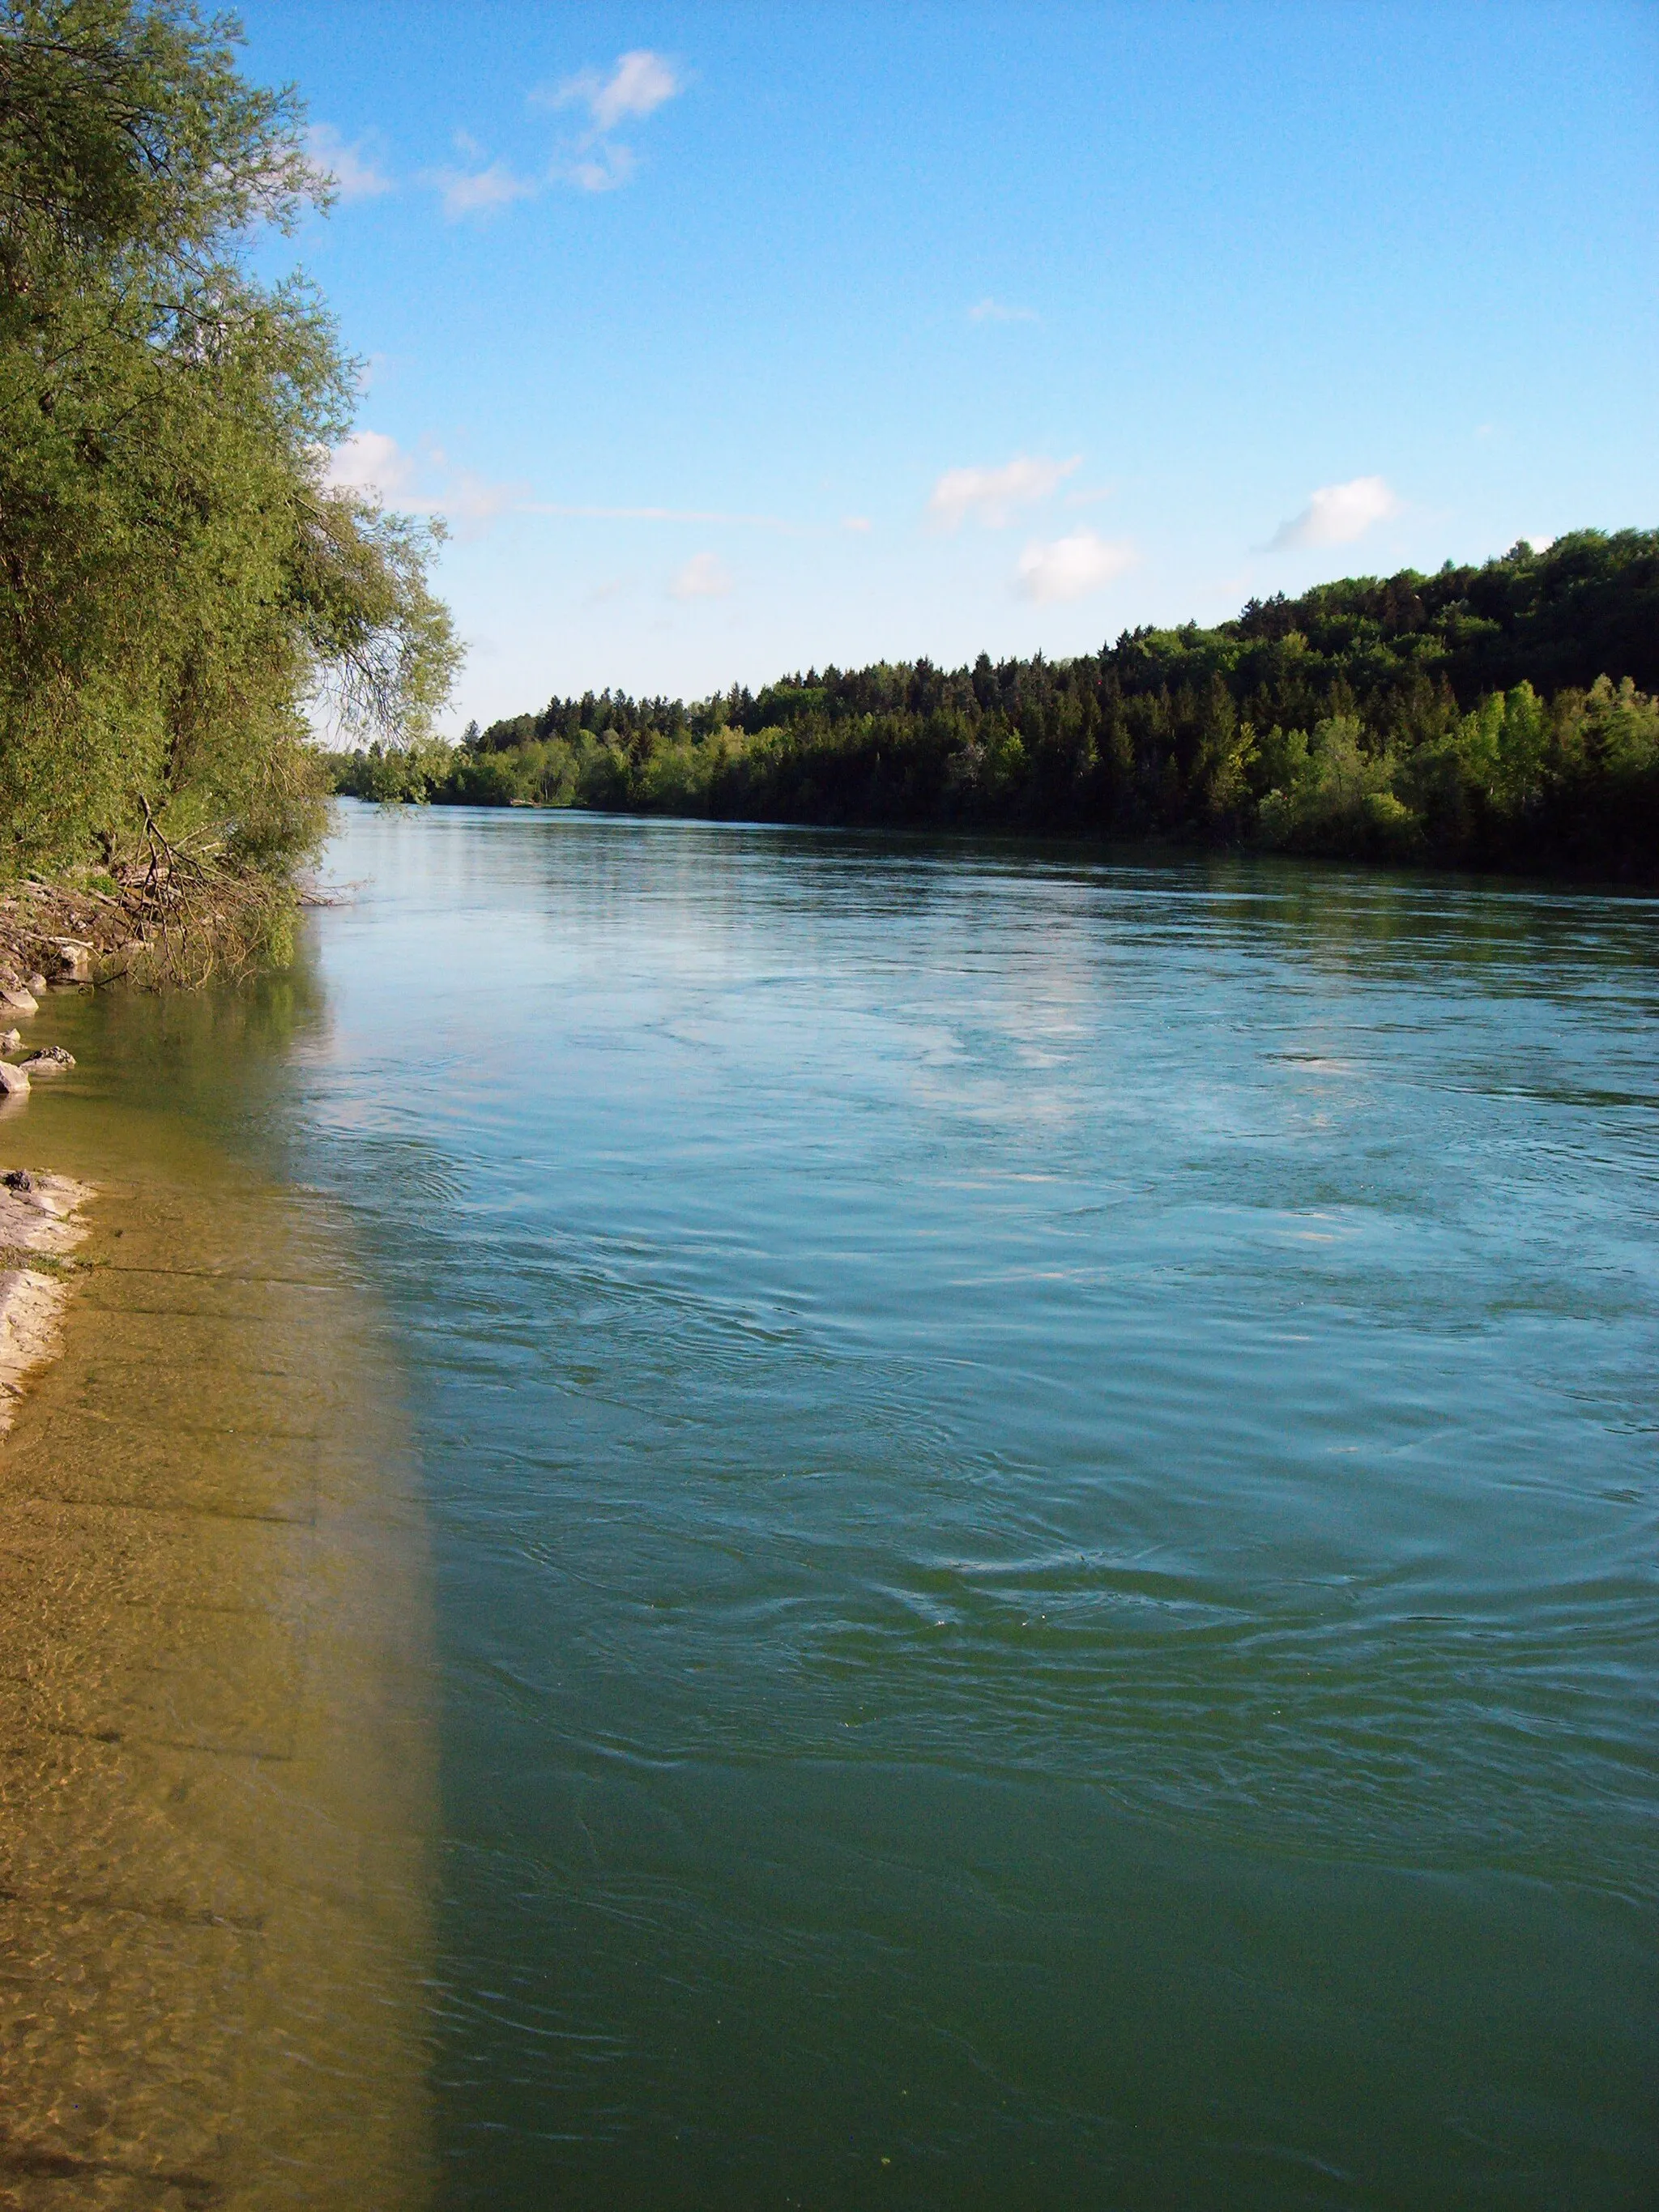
(741, 1518)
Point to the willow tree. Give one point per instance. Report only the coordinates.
(178, 585)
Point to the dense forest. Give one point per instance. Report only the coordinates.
(178, 585)
(1499, 716)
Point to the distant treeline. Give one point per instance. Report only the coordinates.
(1501, 716)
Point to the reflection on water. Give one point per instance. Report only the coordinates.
(1043, 1493)
(216, 1782)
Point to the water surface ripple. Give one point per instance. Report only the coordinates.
(1043, 1478)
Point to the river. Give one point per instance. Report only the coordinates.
(1021, 1494)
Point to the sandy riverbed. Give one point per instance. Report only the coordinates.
(215, 1752)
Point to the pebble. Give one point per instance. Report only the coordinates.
(14, 1083)
(51, 1060)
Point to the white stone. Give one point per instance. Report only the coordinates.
(37, 1213)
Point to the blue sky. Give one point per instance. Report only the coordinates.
(733, 340)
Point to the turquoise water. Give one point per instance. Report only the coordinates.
(1042, 1481)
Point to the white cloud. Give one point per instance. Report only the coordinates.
(478, 191)
(993, 494)
(705, 576)
(638, 85)
(1071, 566)
(857, 522)
(1337, 515)
(369, 461)
(995, 310)
(349, 168)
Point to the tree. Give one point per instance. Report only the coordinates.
(178, 585)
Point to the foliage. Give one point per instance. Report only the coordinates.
(1495, 717)
(392, 775)
(178, 585)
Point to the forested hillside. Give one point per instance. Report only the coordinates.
(1494, 716)
(177, 582)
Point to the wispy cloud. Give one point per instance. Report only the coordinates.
(1071, 567)
(997, 311)
(1337, 515)
(350, 168)
(705, 576)
(855, 522)
(992, 494)
(374, 465)
(600, 170)
(478, 191)
(586, 512)
(473, 504)
(636, 86)
(426, 482)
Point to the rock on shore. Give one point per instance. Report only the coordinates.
(37, 1216)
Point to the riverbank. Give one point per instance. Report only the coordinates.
(171, 920)
(70, 931)
(39, 1224)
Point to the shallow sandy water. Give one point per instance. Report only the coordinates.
(215, 1763)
